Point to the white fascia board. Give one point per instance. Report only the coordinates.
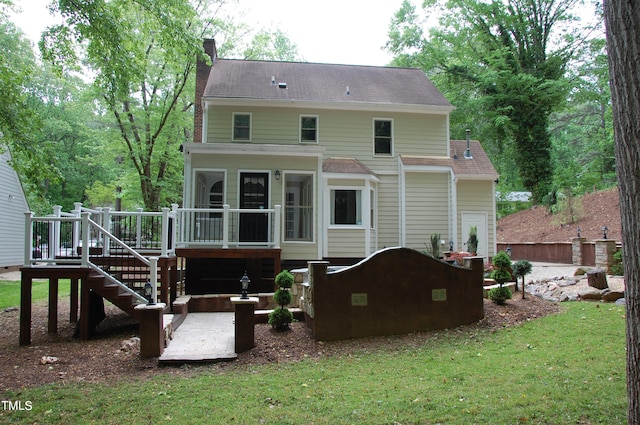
(343, 106)
(426, 169)
(350, 176)
(254, 149)
(476, 177)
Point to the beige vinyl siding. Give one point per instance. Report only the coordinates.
(14, 205)
(342, 133)
(477, 196)
(427, 207)
(388, 212)
(346, 243)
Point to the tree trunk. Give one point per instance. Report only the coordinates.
(597, 279)
(622, 20)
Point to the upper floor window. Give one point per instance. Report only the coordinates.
(241, 126)
(383, 137)
(308, 129)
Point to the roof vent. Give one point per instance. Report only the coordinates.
(467, 153)
(282, 85)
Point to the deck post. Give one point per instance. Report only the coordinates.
(151, 329)
(54, 233)
(164, 242)
(153, 266)
(225, 226)
(85, 239)
(106, 223)
(25, 309)
(139, 228)
(53, 306)
(28, 237)
(244, 323)
(276, 227)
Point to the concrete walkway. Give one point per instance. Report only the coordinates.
(202, 337)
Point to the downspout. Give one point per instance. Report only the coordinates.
(402, 203)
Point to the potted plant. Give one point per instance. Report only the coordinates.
(435, 245)
(472, 243)
(502, 264)
(520, 269)
(280, 318)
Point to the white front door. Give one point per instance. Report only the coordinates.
(479, 220)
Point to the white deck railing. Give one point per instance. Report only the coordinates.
(228, 227)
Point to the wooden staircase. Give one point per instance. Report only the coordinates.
(113, 293)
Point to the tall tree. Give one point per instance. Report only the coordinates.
(142, 53)
(622, 19)
(508, 57)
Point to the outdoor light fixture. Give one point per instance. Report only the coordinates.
(148, 293)
(277, 174)
(451, 245)
(605, 230)
(509, 250)
(579, 230)
(244, 281)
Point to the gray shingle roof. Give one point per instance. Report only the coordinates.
(316, 82)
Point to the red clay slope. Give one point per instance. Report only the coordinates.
(593, 211)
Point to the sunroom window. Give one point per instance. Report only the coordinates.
(299, 207)
(346, 207)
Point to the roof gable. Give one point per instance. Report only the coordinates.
(314, 82)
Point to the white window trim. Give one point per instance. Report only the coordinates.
(193, 189)
(363, 204)
(233, 123)
(315, 208)
(373, 137)
(317, 117)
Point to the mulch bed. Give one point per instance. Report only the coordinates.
(111, 357)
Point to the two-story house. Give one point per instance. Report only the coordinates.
(357, 157)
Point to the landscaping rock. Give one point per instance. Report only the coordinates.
(589, 293)
(621, 301)
(611, 296)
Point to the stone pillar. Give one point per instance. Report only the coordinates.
(150, 317)
(245, 322)
(605, 248)
(576, 251)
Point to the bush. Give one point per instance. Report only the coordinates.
(499, 295)
(502, 264)
(284, 279)
(280, 318)
(617, 268)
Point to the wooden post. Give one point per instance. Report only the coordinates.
(151, 329)
(73, 310)
(245, 323)
(53, 305)
(25, 309)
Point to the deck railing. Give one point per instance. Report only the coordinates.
(228, 227)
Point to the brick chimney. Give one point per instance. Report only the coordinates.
(202, 76)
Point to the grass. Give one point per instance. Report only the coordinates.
(10, 291)
(561, 369)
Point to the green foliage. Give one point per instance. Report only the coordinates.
(617, 268)
(521, 268)
(10, 291)
(502, 264)
(280, 318)
(472, 242)
(504, 66)
(284, 279)
(499, 295)
(435, 245)
(282, 297)
(501, 260)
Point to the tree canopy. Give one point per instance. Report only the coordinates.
(503, 63)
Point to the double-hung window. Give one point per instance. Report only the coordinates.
(308, 129)
(241, 126)
(383, 137)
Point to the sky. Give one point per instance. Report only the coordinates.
(327, 31)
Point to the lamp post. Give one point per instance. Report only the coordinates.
(244, 281)
(148, 293)
(605, 230)
(509, 250)
(579, 230)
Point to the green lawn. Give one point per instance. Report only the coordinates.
(567, 368)
(10, 291)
